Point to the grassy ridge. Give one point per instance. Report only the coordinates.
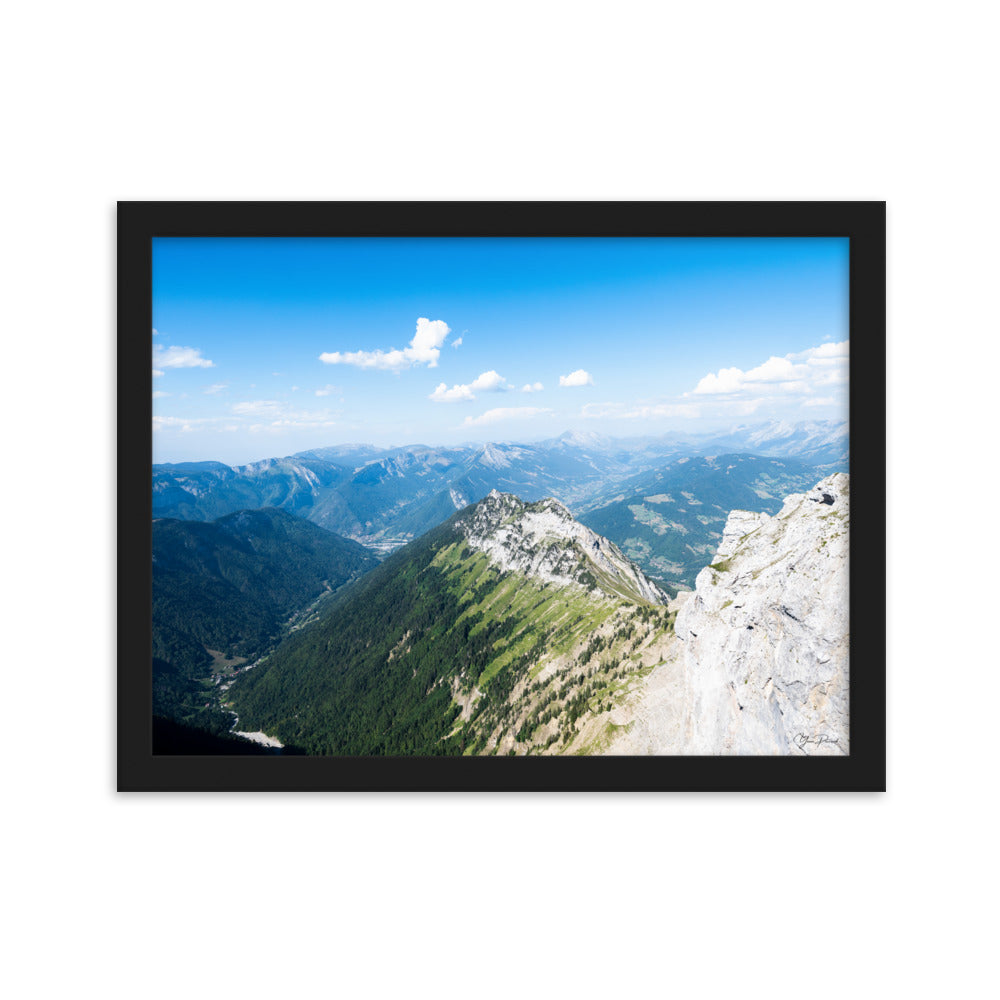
(434, 628)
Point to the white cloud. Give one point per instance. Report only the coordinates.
(424, 349)
(504, 413)
(156, 332)
(632, 411)
(181, 423)
(532, 387)
(457, 343)
(774, 370)
(831, 376)
(157, 373)
(728, 380)
(179, 357)
(799, 373)
(442, 394)
(159, 395)
(259, 407)
(297, 420)
(490, 381)
(823, 352)
(579, 377)
(814, 377)
(277, 415)
(797, 388)
(218, 387)
(328, 390)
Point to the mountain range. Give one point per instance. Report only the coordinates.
(386, 497)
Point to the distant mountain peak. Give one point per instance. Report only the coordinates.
(543, 540)
(584, 439)
(501, 454)
(492, 456)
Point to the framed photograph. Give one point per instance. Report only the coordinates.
(513, 496)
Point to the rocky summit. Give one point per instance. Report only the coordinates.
(760, 657)
(543, 540)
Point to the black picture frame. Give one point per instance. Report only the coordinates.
(863, 223)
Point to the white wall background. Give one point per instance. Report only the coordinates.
(658, 895)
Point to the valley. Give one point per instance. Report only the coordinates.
(225, 591)
(670, 520)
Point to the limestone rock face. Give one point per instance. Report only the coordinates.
(766, 632)
(760, 663)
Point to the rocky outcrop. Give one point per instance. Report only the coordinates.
(760, 663)
(543, 540)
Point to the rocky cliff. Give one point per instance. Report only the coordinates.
(543, 540)
(760, 659)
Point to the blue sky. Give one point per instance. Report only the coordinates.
(265, 347)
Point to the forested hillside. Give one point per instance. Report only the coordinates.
(222, 591)
(441, 650)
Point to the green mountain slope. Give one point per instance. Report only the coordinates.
(505, 629)
(222, 591)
